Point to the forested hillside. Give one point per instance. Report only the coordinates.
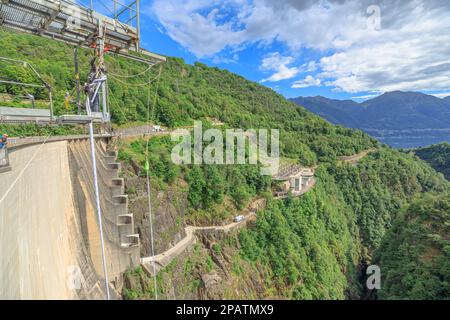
(399, 119)
(415, 254)
(390, 111)
(185, 93)
(304, 248)
(438, 156)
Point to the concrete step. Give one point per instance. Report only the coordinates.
(132, 241)
(5, 169)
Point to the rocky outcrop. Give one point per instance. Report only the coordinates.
(168, 210)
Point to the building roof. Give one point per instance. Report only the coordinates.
(288, 172)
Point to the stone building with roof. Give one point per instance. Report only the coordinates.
(293, 179)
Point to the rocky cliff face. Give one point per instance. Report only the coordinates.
(168, 208)
(211, 269)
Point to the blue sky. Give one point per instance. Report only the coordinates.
(343, 49)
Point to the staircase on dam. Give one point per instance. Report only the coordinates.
(121, 242)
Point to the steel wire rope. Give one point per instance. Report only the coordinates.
(128, 76)
(133, 84)
(147, 169)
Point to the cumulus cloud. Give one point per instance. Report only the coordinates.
(402, 45)
(279, 64)
(202, 34)
(309, 81)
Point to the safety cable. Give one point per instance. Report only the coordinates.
(147, 170)
(130, 76)
(113, 98)
(134, 85)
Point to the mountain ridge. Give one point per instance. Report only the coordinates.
(394, 110)
(400, 119)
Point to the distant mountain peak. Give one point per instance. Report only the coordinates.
(391, 111)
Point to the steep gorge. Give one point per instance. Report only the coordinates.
(303, 248)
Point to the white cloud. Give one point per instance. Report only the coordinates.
(311, 66)
(279, 64)
(201, 34)
(441, 95)
(410, 51)
(366, 97)
(225, 60)
(309, 81)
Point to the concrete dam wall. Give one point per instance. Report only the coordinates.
(49, 238)
(121, 243)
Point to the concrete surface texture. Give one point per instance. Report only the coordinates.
(41, 248)
(121, 244)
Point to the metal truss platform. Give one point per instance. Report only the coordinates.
(78, 25)
(43, 116)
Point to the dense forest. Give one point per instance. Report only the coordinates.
(437, 156)
(303, 248)
(185, 93)
(415, 255)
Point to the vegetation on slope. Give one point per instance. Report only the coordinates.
(437, 156)
(414, 257)
(36, 130)
(313, 244)
(306, 248)
(214, 192)
(380, 186)
(185, 92)
(308, 244)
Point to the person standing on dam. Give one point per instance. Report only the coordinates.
(3, 141)
(3, 151)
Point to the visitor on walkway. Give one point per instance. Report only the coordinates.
(3, 141)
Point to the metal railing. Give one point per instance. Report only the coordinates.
(4, 159)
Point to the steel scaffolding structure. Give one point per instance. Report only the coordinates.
(77, 24)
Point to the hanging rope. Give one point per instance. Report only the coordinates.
(147, 170)
(116, 102)
(130, 76)
(110, 57)
(135, 85)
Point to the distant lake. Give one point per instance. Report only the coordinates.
(410, 138)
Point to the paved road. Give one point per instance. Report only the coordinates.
(354, 159)
(162, 260)
(36, 212)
